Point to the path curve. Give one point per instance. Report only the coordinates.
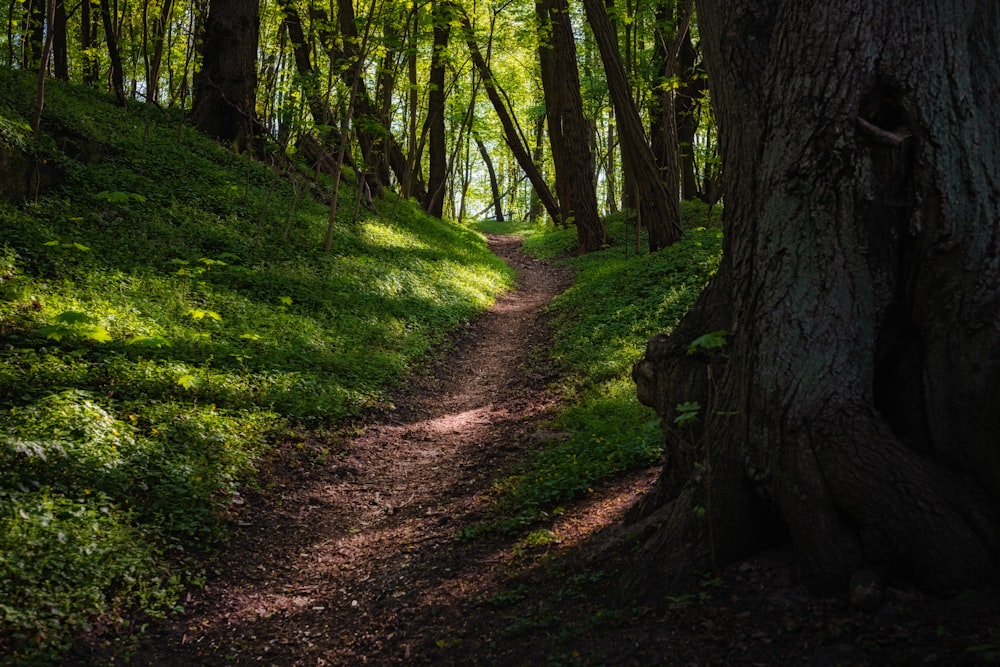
(350, 542)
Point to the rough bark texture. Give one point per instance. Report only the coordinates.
(437, 172)
(225, 88)
(569, 131)
(855, 406)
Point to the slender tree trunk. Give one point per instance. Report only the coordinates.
(111, 38)
(36, 121)
(438, 150)
(33, 35)
(88, 39)
(494, 185)
(568, 129)
(535, 203)
(855, 406)
(512, 136)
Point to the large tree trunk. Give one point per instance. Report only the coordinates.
(226, 87)
(855, 407)
(568, 129)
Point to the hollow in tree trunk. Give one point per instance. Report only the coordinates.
(853, 408)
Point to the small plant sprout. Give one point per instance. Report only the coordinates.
(687, 413)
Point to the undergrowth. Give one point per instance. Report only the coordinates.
(167, 314)
(618, 300)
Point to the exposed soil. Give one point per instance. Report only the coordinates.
(347, 554)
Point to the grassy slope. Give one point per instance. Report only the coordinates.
(165, 313)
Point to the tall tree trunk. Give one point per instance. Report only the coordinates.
(568, 129)
(33, 35)
(657, 205)
(860, 283)
(494, 186)
(535, 203)
(88, 40)
(687, 100)
(518, 147)
(111, 38)
(60, 53)
(437, 145)
(159, 34)
(373, 143)
(225, 91)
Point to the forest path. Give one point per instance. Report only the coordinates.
(347, 554)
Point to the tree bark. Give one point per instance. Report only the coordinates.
(656, 202)
(855, 406)
(110, 36)
(437, 171)
(225, 88)
(568, 129)
(494, 185)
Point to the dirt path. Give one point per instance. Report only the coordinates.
(347, 554)
(348, 550)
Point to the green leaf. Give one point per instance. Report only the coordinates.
(687, 413)
(100, 334)
(51, 243)
(710, 341)
(55, 332)
(75, 317)
(198, 314)
(188, 381)
(286, 300)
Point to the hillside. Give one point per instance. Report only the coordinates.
(166, 314)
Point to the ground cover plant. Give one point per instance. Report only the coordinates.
(167, 314)
(618, 300)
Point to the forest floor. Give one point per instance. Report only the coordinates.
(347, 553)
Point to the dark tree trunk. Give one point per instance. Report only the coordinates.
(225, 88)
(855, 407)
(111, 38)
(88, 39)
(437, 171)
(60, 54)
(687, 100)
(494, 186)
(656, 202)
(34, 35)
(159, 35)
(568, 129)
(535, 205)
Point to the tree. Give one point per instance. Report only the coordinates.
(225, 88)
(511, 131)
(438, 151)
(568, 129)
(853, 406)
(656, 198)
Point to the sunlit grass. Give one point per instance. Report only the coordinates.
(162, 330)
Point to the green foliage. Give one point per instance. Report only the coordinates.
(215, 335)
(617, 302)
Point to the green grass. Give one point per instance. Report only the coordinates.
(618, 300)
(167, 314)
